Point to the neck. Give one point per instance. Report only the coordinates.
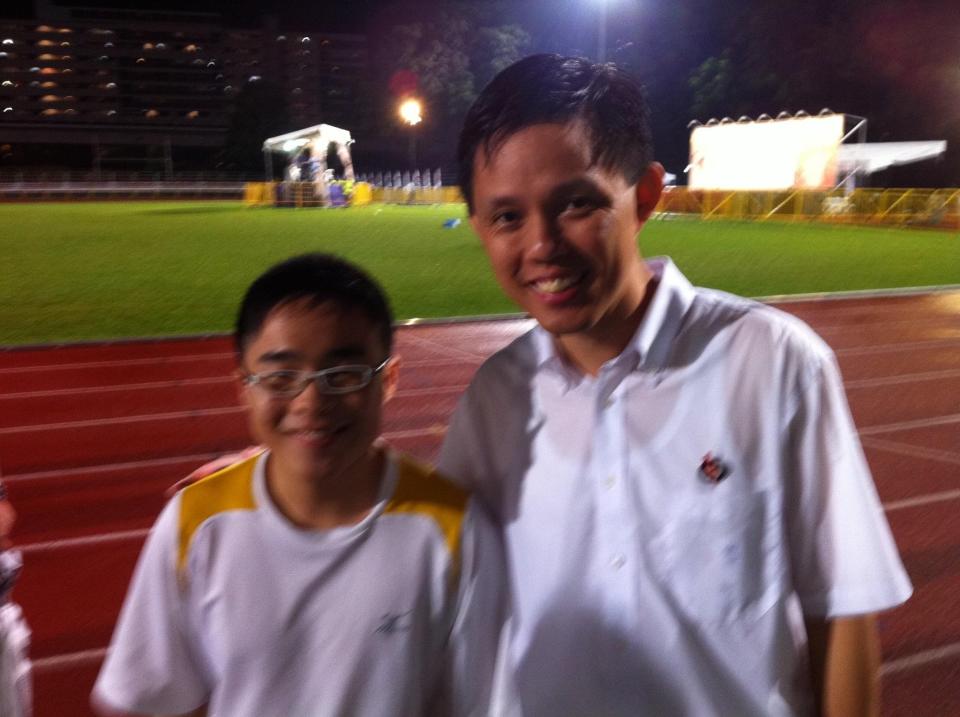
(589, 350)
(324, 501)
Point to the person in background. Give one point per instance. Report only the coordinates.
(16, 694)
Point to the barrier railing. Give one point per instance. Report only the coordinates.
(919, 207)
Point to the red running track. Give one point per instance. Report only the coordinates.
(90, 436)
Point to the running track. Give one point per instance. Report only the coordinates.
(90, 436)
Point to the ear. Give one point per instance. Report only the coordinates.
(649, 188)
(391, 378)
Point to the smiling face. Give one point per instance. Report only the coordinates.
(314, 435)
(560, 231)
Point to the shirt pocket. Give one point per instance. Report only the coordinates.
(723, 564)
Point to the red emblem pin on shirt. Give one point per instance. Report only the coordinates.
(713, 469)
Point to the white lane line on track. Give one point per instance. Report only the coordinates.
(906, 449)
(450, 351)
(429, 391)
(177, 415)
(895, 347)
(920, 659)
(47, 546)
(118, 388)
(827, 296)
(922, 500)
(69, 660)
(198, 459)
(116, 363)
(907, 425)
(903, 378)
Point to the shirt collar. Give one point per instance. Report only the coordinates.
(650, 345)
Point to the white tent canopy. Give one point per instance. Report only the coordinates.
(870, 157)
(320, 135)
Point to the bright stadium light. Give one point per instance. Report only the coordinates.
(411, 111)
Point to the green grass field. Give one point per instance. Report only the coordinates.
(111, 270)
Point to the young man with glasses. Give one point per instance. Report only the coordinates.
(327, 575)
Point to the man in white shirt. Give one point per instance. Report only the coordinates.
(327, 576)
(689, 521)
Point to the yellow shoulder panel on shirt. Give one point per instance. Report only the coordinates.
(225, 490)
(421, 490)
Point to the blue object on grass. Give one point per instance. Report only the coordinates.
(451, 223)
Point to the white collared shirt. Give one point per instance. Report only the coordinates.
(640, 585)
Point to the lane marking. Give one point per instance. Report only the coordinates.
(906, 449)
(450, 351)
(177, 415)
(907, 425)
(198, 458)
(69, 660)
(895, 347)
(116, 363)
(47, 546)
(920, 659)
(827, 296)
(117, 388)
(922, 500)
(903, 378)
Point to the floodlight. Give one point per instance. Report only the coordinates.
(410, 111)
(693, 124)
(802, 113)
(764, 118)
(825, 111)
(784, 115)
(744, 119)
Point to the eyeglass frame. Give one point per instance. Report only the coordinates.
(317, 378)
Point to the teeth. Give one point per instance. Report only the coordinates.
(555, 286)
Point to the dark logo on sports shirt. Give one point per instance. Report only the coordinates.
(713, 469)
(391, 622)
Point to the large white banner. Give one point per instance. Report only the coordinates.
(800, 152)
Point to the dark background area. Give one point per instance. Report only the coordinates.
(897, 63)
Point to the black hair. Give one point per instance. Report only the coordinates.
(318, 278)
(552, 89)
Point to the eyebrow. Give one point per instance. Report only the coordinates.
(565, 188)
(288, 355)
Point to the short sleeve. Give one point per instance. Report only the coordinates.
(843, 557)
(151, 666)
(456, 460)
(474, 673)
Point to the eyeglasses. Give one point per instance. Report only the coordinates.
(336, 380)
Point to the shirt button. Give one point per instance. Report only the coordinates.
(618, 562)
(609, 482)
(608, 402)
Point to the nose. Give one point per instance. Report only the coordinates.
(311, 399)
(546, 239)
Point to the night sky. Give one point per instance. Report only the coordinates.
(895, 61)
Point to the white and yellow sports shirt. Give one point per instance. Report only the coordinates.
(233, 606)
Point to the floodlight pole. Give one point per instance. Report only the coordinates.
(602, 33)
(267, 165)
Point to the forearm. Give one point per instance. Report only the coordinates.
(844, 666)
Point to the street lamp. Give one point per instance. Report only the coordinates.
(411, 112)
